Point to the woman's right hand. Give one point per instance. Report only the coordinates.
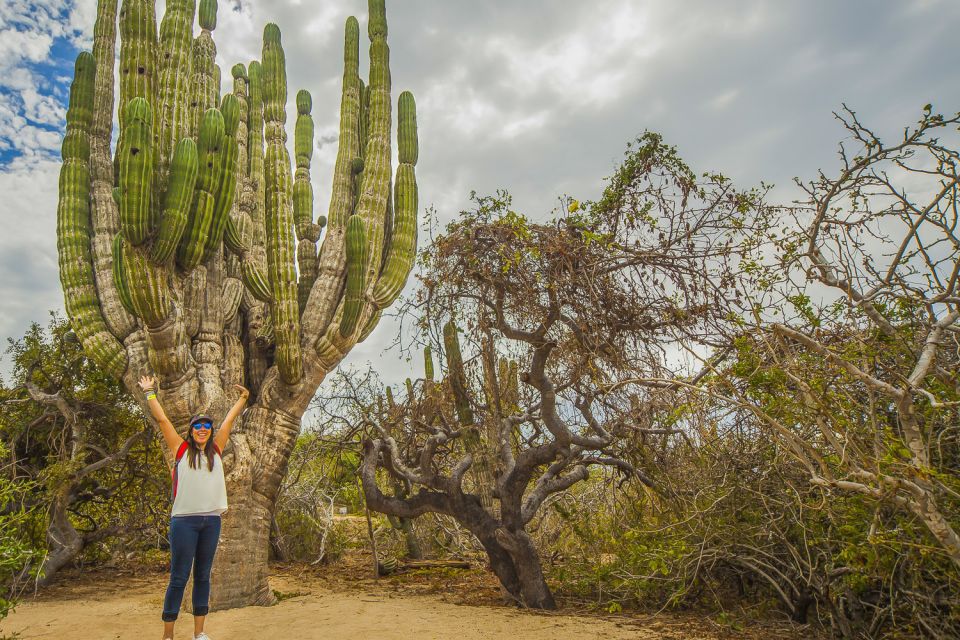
(147, 383)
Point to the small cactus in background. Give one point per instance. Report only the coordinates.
(177, 253)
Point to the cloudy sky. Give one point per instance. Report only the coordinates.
(539, 96)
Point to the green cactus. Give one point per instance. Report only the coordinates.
(119, 275)
(357, 255)
(427, 364)
(74, 230)
(407, 141)
(135, 155)
(173, 113)
(307, 232)
(183, 176)
(279, 219)
(179, 250)
(227, 183)
(208, 14)
(457, 375)
(200, 222)
(390, 401)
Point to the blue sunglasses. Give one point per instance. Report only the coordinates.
(202, 425)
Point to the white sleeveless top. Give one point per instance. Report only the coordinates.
(200, 491)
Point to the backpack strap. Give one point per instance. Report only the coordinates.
(181, 450)
(217, 449)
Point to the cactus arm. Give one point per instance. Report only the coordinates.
(403, 244)
(183, 177)
(105, 210)
(325, 295)
(307, 235)
(138, 63)
(147, 285)
(193, 241)
(375, 189)
(255, 151)
(227, 186)
(457, 375)
(358, 255)
(73, 227)
(370, 325)
(173, 92)
(238, 227)
(135, 160)
(279, 213)
(428, 364)
(120, 276)
(203, 90)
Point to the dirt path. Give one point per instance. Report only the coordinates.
(114, 607)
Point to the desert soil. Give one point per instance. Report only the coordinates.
(329, 604)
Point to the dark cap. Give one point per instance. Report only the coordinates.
(200, 417)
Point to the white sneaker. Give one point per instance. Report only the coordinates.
(202, 636)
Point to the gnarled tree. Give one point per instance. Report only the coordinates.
(178, 256)
(586, 305)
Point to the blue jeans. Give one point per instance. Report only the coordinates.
(193, 542)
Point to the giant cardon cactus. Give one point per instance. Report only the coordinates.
(191, 252)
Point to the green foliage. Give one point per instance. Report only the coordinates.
(16, 550)
(45, 453)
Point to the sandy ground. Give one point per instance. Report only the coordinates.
(113, 606)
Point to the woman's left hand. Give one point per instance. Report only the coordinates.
(244, 392)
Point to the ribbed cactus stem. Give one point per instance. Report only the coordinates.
(390, 401)
(357, 257)
(375, 186)
(135, 160)
(255, 148)
(407, 139)
(176, 64)
(176, 208)
(138, 60)
(303, 199)
(403, 243)
(147, 284)
(370, 325)
(279, 211)
(73, 227)
(342, 195)
(208, 14)
(203, 85)
(227, 184)
(428, 363)
(199, 225)
(119, 275)
(456, 374)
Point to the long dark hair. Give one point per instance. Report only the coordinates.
(194, 451)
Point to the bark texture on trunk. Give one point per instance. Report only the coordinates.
(255, 462)
(512, 553)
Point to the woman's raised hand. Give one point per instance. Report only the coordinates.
(147, 383)
(244, 392)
